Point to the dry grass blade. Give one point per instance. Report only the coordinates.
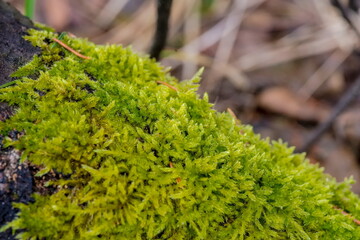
(212, 36)
(137, 31)
(227, 42)
(109, 12)
(191, 31)
(276, 53)
(168, 85)
(236, 77)
(322, 74)
(233, 115)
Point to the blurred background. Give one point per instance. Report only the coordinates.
(279, 65)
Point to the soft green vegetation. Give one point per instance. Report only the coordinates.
(145, 161)
(30, 8)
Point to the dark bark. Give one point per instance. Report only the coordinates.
(162, 26)
(16, 182)
(14, 50)
(354, 5)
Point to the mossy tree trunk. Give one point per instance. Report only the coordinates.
(16, 181)
(134, 147)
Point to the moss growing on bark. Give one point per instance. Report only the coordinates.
(146, 158)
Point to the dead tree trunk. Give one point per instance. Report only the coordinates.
(16, 181)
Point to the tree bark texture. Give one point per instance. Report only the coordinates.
(16, 180)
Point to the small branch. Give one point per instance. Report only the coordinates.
(345, 13)
(347, 214)
(351, 93)
(354, 5)
(344, 101)
(163, 14)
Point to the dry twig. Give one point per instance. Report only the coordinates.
(163, 14)
(70, 49)
(344, 101)
(347, 214)
(168, 85)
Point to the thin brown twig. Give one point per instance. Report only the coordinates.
(178, 180)
(344, 101)
(70, 49)
(347, 214)
(168, 85)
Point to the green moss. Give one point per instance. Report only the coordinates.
(147, 162)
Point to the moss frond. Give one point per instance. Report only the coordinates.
(147, 162)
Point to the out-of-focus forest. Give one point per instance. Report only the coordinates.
(280, 65)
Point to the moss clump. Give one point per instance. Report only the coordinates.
(145, 161)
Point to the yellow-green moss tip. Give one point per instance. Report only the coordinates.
(145, 161)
